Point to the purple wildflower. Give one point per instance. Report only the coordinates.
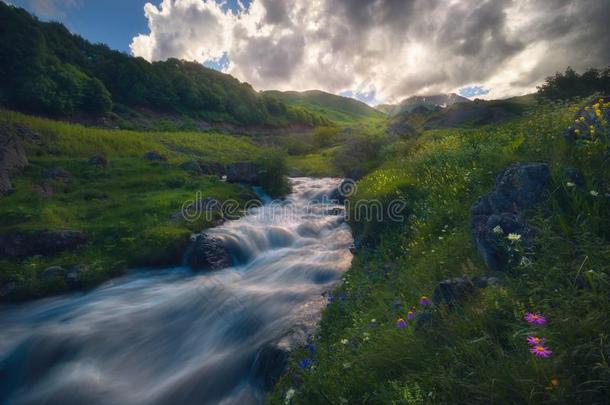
(410, 315)
(305, 363)
(541, 351)
(401, 323)
(424, 301)
(535, 340)
(535, 318)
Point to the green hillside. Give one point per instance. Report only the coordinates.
(47, 70)
(330, 106)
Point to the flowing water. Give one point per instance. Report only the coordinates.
(173, 336)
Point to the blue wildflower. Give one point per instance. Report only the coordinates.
(305, 363)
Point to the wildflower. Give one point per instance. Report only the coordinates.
(331, 298)
(289, 395)
(410, 315)
(570, 184)
(535, 340)
(535, 318)
(541, 351)
(498, 230)
(525, 261)
(514, 237)
(366, 337)
(343, 297)
(577, 131)
(373, 320)
(424, 301)
(305, 363)
(554, 383)
(312, 348)
(344, 341)
(440, 238)
(594, 193)
(346, 365)
(401, 323)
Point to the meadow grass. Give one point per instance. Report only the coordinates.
(476, 352)
(125, 209)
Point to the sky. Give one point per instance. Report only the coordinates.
(373, 50)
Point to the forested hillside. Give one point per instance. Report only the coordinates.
(46, 69)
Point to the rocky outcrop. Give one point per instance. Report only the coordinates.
(12, 158)
(99, 161)
(212, 168)
(53, 272)
(502, 211)
(243, 173)
(454, 290)
(269, 365)
(45, 243)
(208, 253)
(192, 167)
(154, 156)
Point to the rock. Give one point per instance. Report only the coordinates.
(269, 365)
(9, 290)
(493, 216)
(45, 243)
(212, 168)
(74, 276)
(44, 190)
(243, 173)
(192, 167)
(355, 174)
(454, 290)
(53, 272)
(57, 172)
(98, 160)
(208, 253)
(154, 156)
(12, 158)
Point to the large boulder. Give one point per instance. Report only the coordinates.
(243, 173)
(502, 212)
(208, 253)
(45, 243)
(154, 156)
(212, 168)
(12, 158)
(269, 365)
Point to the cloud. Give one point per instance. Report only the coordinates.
(396, 47)
(52, 8)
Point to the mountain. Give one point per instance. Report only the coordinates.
(45, 69)
(428, 102)
(329, 106)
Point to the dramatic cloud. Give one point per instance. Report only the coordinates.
(384, 49)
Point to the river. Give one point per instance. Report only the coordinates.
(173, 336)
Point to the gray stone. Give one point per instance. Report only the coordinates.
(45, 243)
(154, 156)
(518, 188)
(208, 253)
(12, 158)
(53, 272)
(243, 173)
(212, 168)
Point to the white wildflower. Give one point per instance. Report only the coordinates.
(498, 230)
(514, 237)
(570, 184)
(344, 341)
(289, 394)
(594, 193)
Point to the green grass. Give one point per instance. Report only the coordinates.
(477, 352)
(126, 209)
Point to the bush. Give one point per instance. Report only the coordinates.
(273, 174)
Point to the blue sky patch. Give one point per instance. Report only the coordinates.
(473, 91)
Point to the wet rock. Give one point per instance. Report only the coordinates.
(454, 290)
(44, 190)
(355, 174)
(154, 156)
(99, 161)
(269, 365)
(493, 216)
(12, 159)
(9, 290)
(45, 243)
(243, 173)
(212, 168)
(208, 253)
(192, 167)
(52, 272)
(57, 172)
(74, 278)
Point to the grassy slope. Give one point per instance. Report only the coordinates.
(338, 109)
(476, 353)
(125, 208)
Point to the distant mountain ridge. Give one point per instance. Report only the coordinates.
(429, 102)
(327, 105)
